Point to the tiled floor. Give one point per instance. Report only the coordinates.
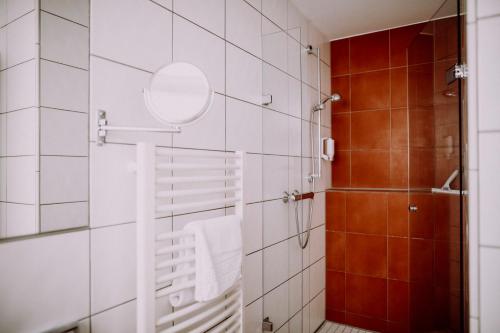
(331, 327)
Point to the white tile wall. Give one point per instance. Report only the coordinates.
(245, 54)
(483, 163)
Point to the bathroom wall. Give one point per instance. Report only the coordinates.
(483, 84)
(247, 49)
(376, 252)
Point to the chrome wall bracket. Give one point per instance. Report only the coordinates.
(103, 128)
(456, 72)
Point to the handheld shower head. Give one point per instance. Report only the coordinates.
(335, 97)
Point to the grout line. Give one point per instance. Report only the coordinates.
(63, 18)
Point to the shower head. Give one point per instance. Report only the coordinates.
(335, 97)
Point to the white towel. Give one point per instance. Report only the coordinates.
(218, 252)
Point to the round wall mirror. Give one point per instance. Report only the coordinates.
(178, 94)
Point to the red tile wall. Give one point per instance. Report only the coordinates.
(382, 263)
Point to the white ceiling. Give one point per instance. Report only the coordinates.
(344, 18)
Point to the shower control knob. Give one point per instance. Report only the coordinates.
(413, 208)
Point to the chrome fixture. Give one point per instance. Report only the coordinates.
(413, 208)
(446, 188)
(309, 49)
(335, 97)
(457, 72)
(267, 325)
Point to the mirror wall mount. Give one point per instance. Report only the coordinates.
(179, 94)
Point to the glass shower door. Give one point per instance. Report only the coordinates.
(435, 176)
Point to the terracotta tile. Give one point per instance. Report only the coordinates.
(342, 85)
(370, 169)
(399, 169)
(421, 168)
(422, 129)
(398, 87)
(421, 260)
(335, 316)
(420, 85)
(341, 131)
(370, 52)
(441, 307)
(367, 212)
(341, 169)
(401, 38)
(421, 307)
(368, 323)
(370, 91)
(339, 53)
(335, 211)
(335, 251)
(422, 221)
(366, 255)
(443, 264)
(399, 129)
(445, 31)
(370, 130)
(398, 266)
(335, 291)
(421, 49)
(397, 214)
(398, 301)
(366, 296)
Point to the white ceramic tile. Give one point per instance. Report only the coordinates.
(37, 297)
(488, 81)
(3, 12)
(283, 329)
(243, 126)
(305, 319)
(121, 319)
(21, 179)
(17, 8)
(274, 45)
(207, 132)
(473, 237)
(294, 176)
(275, 305)
(294, 256)
(252, 178)
(243, 75)
(295, 324)
(63, 41)
(112, 185)
(257, 4)
(294, 97)
(294, 50)
(275, 176)
(325, 79)
(243, 26)
(317, 243)
(3, 91)
(208, 14)
(3, 134)
(212, 60)
(309, 99)
(253, 317)
(76, 11)
(109, 82)
(325, 54)
(274, 132)
(21, 86)
(63, 132)
(252, 228)
(318, 217)
(487, 8)
(22, 132)
(275, 83)
(489, 183)
(3, 179)
(164, 3)
(63, 179)
(317, 312)
(276, 11)
(296, 24)
(317, 282)
(3, 218)
(473, 325)
(472, 111)
(309, 69)
(22, 39)
(113, 268)
(64, 216)
(131, 35)
(252, 270)
(21, 219)
(275, 265)
(63, 87)
(305, 288)
(294, 136)
(294, 294)
(275, 221)
(490, 292)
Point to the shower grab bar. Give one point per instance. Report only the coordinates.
(304, 196)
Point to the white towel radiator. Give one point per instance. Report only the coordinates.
(172, 182)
